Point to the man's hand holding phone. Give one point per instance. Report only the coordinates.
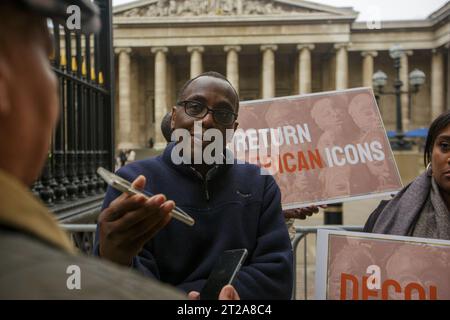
(227, 293)
(218, 286)
(129, 222)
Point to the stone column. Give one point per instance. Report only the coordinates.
(196, 60)
(447, 47)
(404, 77)
(268, 71)
(304, 68)
(171, 85)
(124, 95)
(437, 83)
(368, 57)
(160, 93)
(341, 66)
(233, 65)
(135, 107)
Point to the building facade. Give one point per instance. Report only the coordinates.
(269, 48)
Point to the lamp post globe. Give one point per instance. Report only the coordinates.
(417, 77)
(396, 51)
(379, 79)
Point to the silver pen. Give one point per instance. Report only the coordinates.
(125, 186)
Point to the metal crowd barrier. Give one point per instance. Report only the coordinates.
(83, 236)
(301, 233)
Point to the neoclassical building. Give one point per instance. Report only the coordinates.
(269, 48)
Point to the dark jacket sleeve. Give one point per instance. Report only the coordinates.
(268, 273)
(196, 285)
(144, 262)
(370, 223)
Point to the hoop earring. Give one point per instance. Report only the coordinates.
(429, 169)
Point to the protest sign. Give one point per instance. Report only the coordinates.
(321, 148)
(363, 266)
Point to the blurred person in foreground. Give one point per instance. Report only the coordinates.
(35, 253)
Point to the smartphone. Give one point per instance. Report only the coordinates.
(223, 273)
(125, 186)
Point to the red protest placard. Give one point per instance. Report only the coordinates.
(362, 266)
(321, 148)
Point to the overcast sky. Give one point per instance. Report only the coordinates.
(385, 9)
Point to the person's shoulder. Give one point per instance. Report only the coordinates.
(252, 172)
(33, 269)
(138, 167)
(245, 166)
(373, 217)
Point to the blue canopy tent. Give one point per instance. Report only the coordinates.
(391, 134)
(417, 133)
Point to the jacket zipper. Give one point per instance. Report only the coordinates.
(205, 183)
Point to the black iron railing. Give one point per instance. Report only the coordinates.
(83, 139)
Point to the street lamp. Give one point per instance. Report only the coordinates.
(416, 79)
(379, 80)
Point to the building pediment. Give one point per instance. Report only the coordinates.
(224, 8)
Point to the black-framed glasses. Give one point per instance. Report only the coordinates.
(199, 110)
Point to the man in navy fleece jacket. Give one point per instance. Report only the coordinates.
(234, 206)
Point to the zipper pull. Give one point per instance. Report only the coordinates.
(206, 190)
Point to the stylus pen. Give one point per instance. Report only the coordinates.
(125, 186)
(177, 213)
